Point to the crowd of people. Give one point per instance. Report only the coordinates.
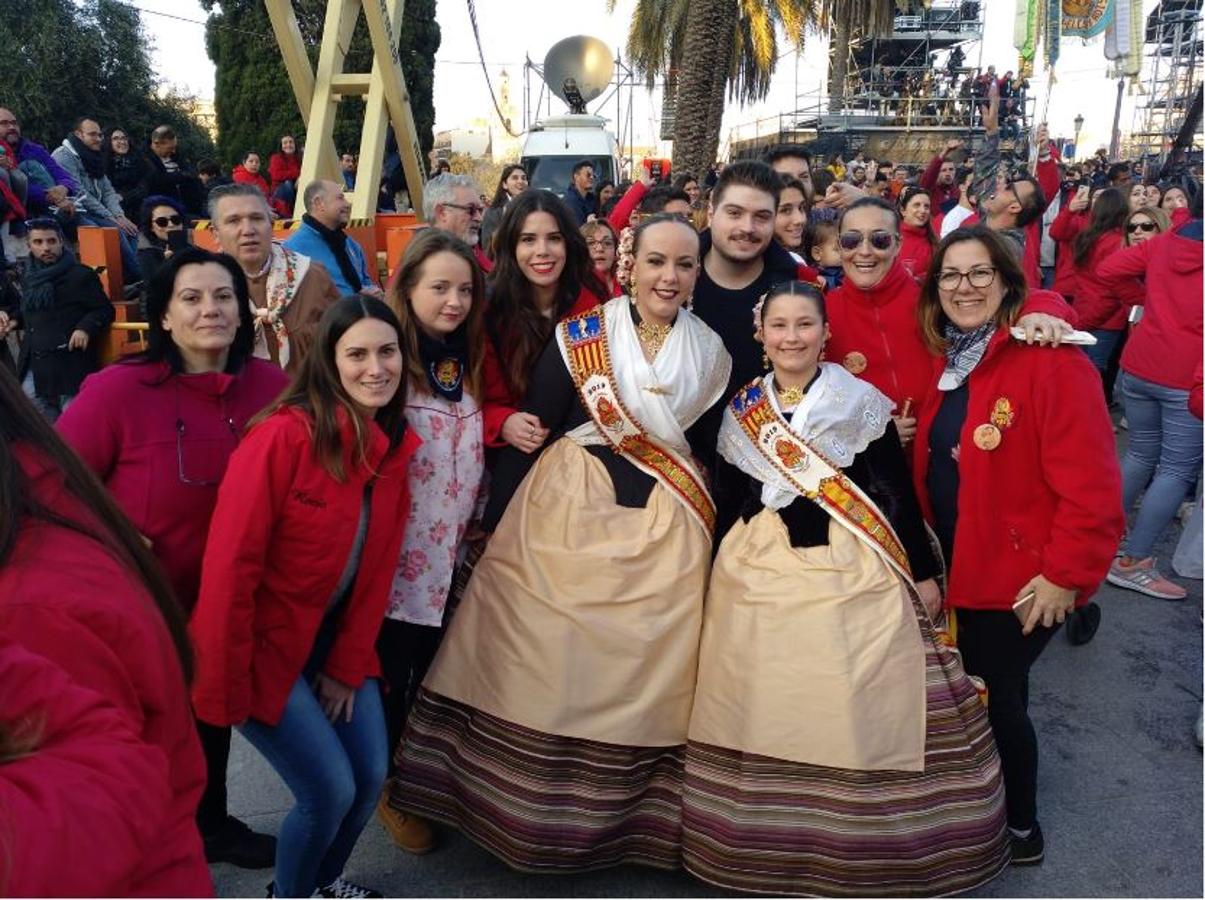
(660, 523)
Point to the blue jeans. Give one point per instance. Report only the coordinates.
(1100, 352)
(50, 407)
(1163, 456)
(335, 771)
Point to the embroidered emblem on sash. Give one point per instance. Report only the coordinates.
(585, 339)
(446, 373)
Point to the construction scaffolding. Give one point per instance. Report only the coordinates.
(1174, 47)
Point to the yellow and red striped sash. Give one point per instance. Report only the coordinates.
(585, 341)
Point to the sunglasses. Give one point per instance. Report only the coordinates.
(880, 240)
(1139, 226)
(164, 221)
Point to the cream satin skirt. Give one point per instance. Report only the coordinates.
(811, 655)
(582, 617)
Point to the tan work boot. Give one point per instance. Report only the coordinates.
(409, 832)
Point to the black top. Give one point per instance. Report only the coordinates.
(942, 477)
(880, 470)
(554, 398)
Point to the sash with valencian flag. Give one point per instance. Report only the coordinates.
(815, 477)
(585, 338)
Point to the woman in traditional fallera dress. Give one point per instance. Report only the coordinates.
(836, 745)
(551, 725)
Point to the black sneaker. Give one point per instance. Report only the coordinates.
(341, 887)
(1082, 624)
(238, 845)
(1029, 851)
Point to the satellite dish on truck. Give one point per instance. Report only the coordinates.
(578, 69)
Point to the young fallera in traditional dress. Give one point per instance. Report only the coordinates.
(551, 725)
(836, 745)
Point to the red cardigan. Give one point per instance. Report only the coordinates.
(66, 598)
(123, 425)
(1047, 500)
(1063, 230)
(1104, 303)
(1165, 346)
(279, 540)
(284, 167)
(499, 402)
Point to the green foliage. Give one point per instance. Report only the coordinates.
(254, 100)
(67, 58)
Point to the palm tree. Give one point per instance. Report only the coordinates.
(727, 49)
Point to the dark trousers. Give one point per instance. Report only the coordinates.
(406, 651)
(994, 649)
(211, 811)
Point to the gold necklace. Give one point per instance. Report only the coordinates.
(789, 397)
(652, 337)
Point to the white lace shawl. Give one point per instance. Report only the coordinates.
(840, 416)
(688, 376)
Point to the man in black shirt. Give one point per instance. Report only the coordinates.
(741, 261)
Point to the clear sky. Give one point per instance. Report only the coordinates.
(508, 35)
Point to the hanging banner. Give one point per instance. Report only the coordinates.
(1033, 24)
(1087, 18)
(1053, 29)
(1021, 24)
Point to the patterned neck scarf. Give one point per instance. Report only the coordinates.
(964, 350)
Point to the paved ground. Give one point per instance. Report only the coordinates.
(1120, 786)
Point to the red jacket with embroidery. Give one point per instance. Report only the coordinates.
(500, 402)
(280, 537)
(1047, 500)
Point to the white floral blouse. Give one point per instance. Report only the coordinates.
(445, 483)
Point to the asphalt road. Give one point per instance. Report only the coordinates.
(1120, 782)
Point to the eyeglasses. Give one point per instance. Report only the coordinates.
(1139, 226)
(164, 221)
(601, 244)
(950, 279)
(879, 239)
(473, 209)
(180, 468)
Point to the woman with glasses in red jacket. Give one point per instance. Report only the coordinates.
(1015, 469)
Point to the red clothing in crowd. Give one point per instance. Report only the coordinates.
(487, 265)
(875, 334)
(915, 248)
(281, 534)
(90, 790)
(241, 176)
(938, 193)
(124, 426)
(1063, 231)
(1104, 303)
(65, 597)
(284, 167)
(1165, 347)
(1047, 499)
(621, 214)
(500, 402)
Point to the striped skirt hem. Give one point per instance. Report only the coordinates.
(539, 802)
(763, 825)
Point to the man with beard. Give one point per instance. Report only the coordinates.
(938, 178)
(99, 204)
(40, 182)
(741, 260)
(63, 310)
(289, 291)
(452, 203)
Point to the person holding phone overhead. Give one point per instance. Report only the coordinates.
(1015, 469)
